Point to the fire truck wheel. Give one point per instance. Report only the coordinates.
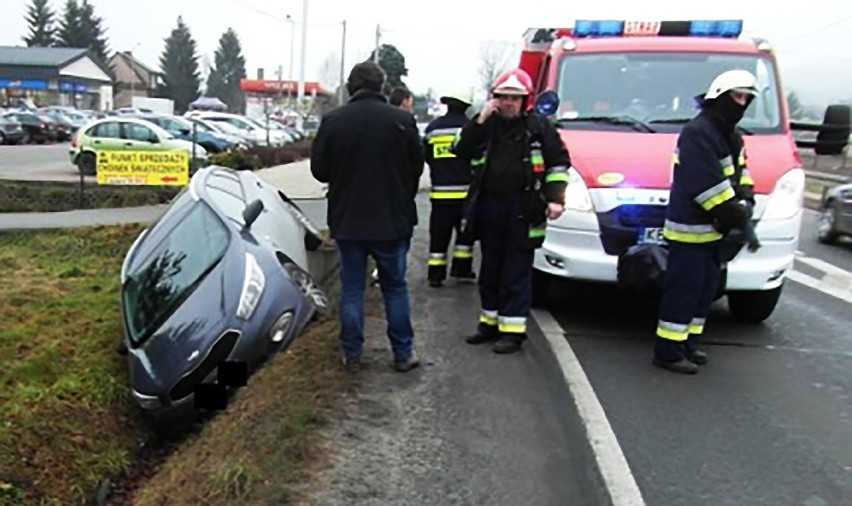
(753, 306)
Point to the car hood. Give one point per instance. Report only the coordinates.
(607, 159)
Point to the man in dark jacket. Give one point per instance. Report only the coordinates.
(450, 179)
(520, 175)
(711, 195)
(370, 155)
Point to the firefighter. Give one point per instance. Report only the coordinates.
(711, 195)
(450, 180)
(520, 174)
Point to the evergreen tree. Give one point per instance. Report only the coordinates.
(179, 65)
(230, 67)
(40, 21)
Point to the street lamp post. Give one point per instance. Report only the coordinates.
(301, 94)
(292, 43)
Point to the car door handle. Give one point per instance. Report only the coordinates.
(128, 143)
(96, 142)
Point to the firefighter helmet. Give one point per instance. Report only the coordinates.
(514, 82)
(741, 81)
(458, 96)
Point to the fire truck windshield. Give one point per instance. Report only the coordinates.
(657, 89)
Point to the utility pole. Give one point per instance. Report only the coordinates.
(301, 95)
(378, 44)
(292, 45)
(340, 90)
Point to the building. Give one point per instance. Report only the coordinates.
(54, 76)
(277, 96)
(132, 79)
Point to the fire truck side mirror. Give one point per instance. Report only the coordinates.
(547, 103)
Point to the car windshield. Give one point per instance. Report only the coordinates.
(164, 274)
(657, 89)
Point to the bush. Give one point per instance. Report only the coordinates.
(258, 157)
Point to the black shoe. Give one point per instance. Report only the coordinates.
(463, 276)
(482, 337)
(436, 283)
(505, 345)
(406, 365)
(697, 357)
(682, 366)
(352, 364)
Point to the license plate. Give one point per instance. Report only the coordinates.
(651, 236)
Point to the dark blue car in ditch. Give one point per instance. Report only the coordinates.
(220, 277)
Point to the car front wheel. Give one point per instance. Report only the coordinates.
(753, 306)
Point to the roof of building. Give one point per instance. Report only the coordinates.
(39, 56)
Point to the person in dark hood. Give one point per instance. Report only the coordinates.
(370, 155)
(711, 196)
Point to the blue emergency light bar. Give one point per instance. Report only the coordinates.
(697, 28)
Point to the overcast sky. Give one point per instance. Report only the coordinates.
(441, 39)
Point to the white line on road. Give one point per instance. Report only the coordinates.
(612, 464)
(820, 285)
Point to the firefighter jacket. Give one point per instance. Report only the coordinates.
(710, 180)
(450, 175)
(543, 160)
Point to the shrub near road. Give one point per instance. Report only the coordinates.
(66, 421)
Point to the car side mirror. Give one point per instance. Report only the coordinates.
(251, 213)
(547, 103)
(154, 139)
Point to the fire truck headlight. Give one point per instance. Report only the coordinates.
(577, 196)
(786, 199)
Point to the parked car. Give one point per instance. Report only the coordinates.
(835, 218)
(181, 128)
(11, 131)
(222, 275)
(250, 127)
(35, 130)
(125, 134)
(223, 130)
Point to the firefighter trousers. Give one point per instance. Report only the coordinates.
(446, 216)
(692, 278)
(506, 270)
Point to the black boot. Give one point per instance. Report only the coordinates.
(484, 334)
(693, 354)
(508, 344)
(671, 355)
(436, 283)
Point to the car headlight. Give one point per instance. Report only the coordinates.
(281, 327)
(577, 196)
(253, 285)
(147, 402)
(786, 199)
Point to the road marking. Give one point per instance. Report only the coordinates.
(616, 474)
(820, 285)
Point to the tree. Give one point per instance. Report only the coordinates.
(493, 62)
(393, 63)
(80, 27)
(230, 67)
(797, 111)
(179, 65)
(329, 72)
(40, 21)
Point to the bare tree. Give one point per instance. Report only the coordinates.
(329, 72)
(494, 60)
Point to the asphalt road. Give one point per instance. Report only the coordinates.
(768, 421)
(37, 162)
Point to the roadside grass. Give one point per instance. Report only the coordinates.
(38, 196)
(66, 421)
(264, 447)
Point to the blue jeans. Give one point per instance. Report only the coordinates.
(390, 257)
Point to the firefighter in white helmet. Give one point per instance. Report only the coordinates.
(450, 178)
(711, 196)
(520, 173)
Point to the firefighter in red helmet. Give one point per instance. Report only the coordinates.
(520, 174)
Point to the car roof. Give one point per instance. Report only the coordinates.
(128, 119)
